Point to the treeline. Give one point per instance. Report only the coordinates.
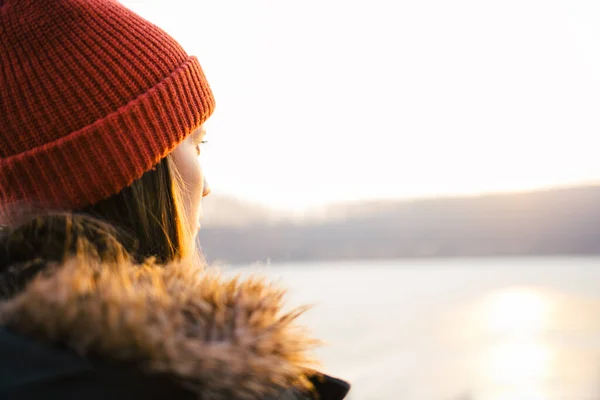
(553, 222)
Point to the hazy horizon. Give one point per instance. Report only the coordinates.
(323, 102)
(551, 222)
(215, 196)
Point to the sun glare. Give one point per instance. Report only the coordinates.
(517, 364)
(526, 393)
(516, 312)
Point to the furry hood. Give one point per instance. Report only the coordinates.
(219, 337)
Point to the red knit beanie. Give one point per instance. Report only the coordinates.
(91, 97)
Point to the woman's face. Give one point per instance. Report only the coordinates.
(186, 158)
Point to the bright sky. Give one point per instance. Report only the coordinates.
(344, 100)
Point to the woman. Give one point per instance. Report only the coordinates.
(101, 121)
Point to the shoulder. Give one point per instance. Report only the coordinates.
(32, 370)
(216, 337)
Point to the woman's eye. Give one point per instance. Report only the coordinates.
(199, 147)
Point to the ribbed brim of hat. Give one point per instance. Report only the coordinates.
(100, 159)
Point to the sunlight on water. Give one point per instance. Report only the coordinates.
(517, 364)
(444, 330)
(526, 393)
(518, 312)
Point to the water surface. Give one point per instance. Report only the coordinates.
(476, 329)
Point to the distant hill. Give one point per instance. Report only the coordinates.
(231, 212)
(550, 222)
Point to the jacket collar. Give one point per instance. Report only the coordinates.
(209, 332)
(329, 388)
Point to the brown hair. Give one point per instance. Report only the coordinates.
(144, 220)
(149, 213)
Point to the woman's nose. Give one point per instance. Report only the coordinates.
(206, 190)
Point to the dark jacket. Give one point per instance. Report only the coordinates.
(86, 331)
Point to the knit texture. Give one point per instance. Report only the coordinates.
(91, 96)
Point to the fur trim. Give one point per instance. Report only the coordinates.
(220, 337)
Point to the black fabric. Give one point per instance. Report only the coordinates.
(30, 370)
(330, 388)
(24, 362)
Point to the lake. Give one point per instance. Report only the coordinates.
(456, 329)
